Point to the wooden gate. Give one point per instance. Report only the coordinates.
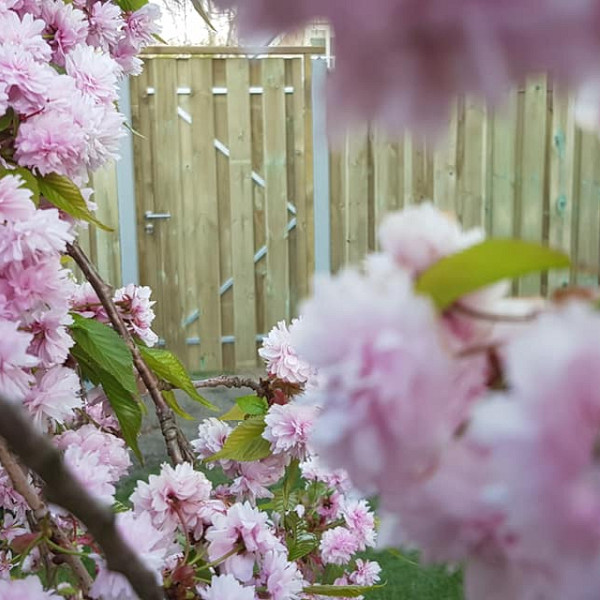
(223, 170)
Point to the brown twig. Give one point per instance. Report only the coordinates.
(231, 381)
(41, 514)
(177, 445)
(43, 458)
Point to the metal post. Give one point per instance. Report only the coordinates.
(126, 195)
(321, 168)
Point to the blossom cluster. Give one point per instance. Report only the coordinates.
(477, 431)
(60, 63)
(404, 61)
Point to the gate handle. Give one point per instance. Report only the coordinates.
(150, 216)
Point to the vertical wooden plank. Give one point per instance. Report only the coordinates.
(504, 123)
(356, 191)
(167, 192)
(275, 160)
(588, 238)
(206, 236)
(308, 167)
(445, 164)
(108, 248)
(300, 194)
(471, 181)
(564, 141)
(224, 210)
(533, 173)
(143, 113)
(388, 175)
(242, 230)
(337, 211)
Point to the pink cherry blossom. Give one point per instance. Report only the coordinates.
(420, 235)
(366, 573)
(255, 477)
(24, 33)
(173, 498)
(54, 396)
(143, 24)
(94, 72)
(26, 82)
(91, 471)
(360, 521)
(389, 406)
(244, 525)
(281, 577)
(15, 200)
(29, 588)
(223, 587)
(338, 545)
(281, 358)
(67, 26)
(112, 450)
(288, 428)
(14, 361)
(136, 309)
(105, 25)
(51, 340)
(49, 142)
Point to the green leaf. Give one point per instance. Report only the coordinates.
(340, 591)
(290, 481)
(66, 196)
(171, 400)
(245, 443)
(102, 343)
(159, 39)
(7, 119)
(169, 368)
(302, 545)
(235, 413)
(484, 264)
(252, 405)
(29, 181)
(299, 541)
(131, 5)
(124, 404)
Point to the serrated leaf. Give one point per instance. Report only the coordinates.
(235, 413)
(340, 591)
(171, 400)
(304, 544)
(245, 443)
(29, 181)
(66, 196)
(107, 348)
(290, 480)
(124, 404)
(252, 405)
(483, 264)
(169, 368)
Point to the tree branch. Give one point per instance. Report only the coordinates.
(40, 514)
(231, 381)
(178, 446)
(62, 488)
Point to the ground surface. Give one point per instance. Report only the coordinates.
(406, 579)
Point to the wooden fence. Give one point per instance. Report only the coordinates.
(225, 148)
(224, 154)
(525, 171)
